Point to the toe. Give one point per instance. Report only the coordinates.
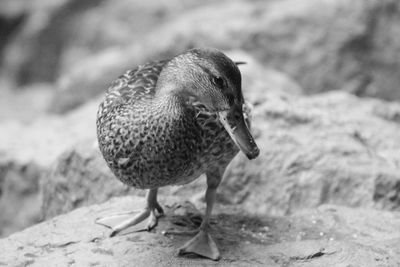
(152, 221)
(203, 245)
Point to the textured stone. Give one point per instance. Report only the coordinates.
(322, 45)
(55, 35)
(79, 177)
(330, 148)
(26, 154)
(19, 199)
(328, 236)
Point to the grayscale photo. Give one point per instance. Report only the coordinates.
(200, 133)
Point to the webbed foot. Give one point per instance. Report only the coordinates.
(134, 221)
(202, 244)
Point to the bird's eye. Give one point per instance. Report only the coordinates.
(218, 81)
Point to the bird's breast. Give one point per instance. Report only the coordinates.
(147, 150)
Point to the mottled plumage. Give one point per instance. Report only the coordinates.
(167, 122)
(149, 147)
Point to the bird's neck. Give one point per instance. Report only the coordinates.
(170, 103)
(172, 89)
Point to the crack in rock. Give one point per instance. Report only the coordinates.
(103, 251)
(61, 245)
(312, 256)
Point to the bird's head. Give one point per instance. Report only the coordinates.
(213, 79)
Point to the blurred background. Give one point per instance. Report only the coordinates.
(57, 58)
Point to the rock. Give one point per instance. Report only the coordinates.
(322, 45)
(9, 24)
(27, 154)
(330, 148)
(342, 46)
(19, 199)
(79, 177)
(79, 84)
(258, 80)
(26, 43)
(45, 138)
(327, 236)
(109, 65)
(57, 34)
(24, 105)
(389, 111)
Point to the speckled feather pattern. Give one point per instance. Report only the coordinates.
(148, 144)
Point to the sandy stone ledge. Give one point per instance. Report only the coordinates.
(327, 236)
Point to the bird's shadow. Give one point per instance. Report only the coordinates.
(229, 229)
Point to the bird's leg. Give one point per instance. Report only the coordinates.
(123, 221)
(202, 243)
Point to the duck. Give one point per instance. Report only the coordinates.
(167, 122)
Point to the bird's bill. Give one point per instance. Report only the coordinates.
(240, 134)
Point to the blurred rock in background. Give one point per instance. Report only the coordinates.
(58, 57)
(323, 45)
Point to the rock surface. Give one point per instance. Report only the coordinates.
(96, 73)
(328, 236)
(322, 45)
(330, 148)
(79, 177)
(56, 34)
(28, 151)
